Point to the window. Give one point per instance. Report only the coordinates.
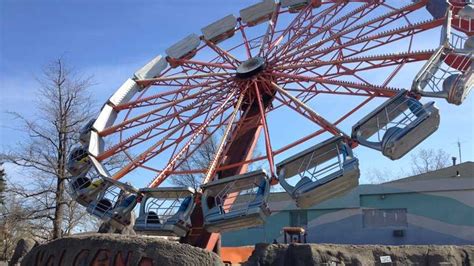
(373, 218)
(298, 218)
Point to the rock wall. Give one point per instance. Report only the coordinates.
(327, 254)
(113, 249)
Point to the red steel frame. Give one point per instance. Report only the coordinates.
(320, 51)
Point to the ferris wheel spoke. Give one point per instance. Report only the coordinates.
(306, 93)
(392, 75)
(193, 70)
(238, 126)
(328, 74)
(192, 128)
(223, 54)
(135, 140)
(157, 147)
(374, 41)
(155, 130)
(263, 120)
(178, 98)
(320, 131)
(296, 23)
(373, 61)
(140, 162)
(231, 124)
(362, 30)
(307, 137)
(346, 67)
(295, 104)
(345, 22)
(379, 90)
(173, 163)
(300, 28)
(185, 132)
(203, 66)
(246, 41)
(160, 98)
(197, 99)
(187, 83)
(189, 152)
(218, 154)
(157, 81)
(270, 32)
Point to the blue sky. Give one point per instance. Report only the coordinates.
(111, 39)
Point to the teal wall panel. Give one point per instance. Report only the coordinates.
(439, 208)
(440, 212)
(266, 233)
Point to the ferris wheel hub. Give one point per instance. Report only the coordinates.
(251, 67)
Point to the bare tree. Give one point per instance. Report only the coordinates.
(63, 106)
(15, 224)
(427, 160)
(2, 184)
(378, 176)
(77, 220)
(423, 161)
(200, 159)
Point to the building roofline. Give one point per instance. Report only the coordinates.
(465, 169)
(458, 177)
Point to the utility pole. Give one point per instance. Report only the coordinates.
(459, 149)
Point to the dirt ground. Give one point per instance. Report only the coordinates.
(328, 254)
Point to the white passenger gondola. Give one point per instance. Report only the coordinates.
(449, 73)
(296, 5)
(184, 49)
(458, 27)
(326, 170)
(438, 78)
(85, 132)
(220, 30)
(152, 69)
(236, 202)
(114, 203)
(165, 211)
(397, 126)
(469, 44)
(85, 187)
(258, 13)
(467, 11)
(78, 161)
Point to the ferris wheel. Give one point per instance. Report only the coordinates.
(242, 77)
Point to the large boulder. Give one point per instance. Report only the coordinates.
(23, 246)
(114, 249)
(328, 254)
